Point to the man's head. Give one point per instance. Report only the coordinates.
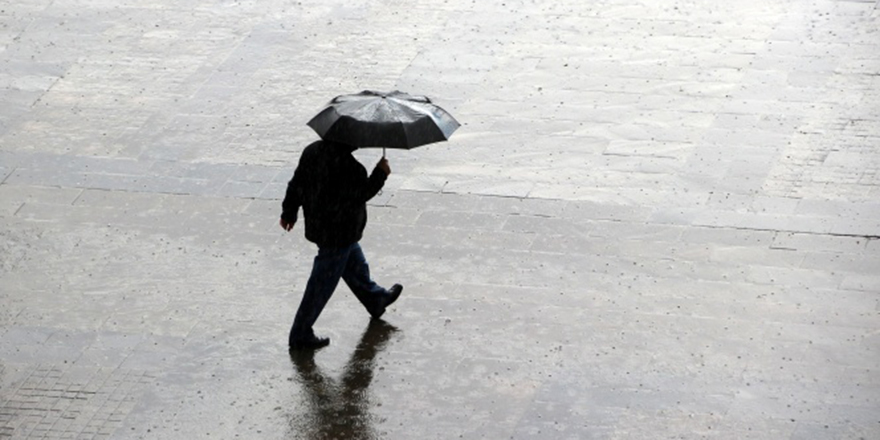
(341, 146)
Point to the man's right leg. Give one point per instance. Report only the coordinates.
(326, 271)
(357, 275)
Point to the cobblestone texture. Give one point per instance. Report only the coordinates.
(70, 402)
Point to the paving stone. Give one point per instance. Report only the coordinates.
(858, 227)
(675, 216)
(519, 206)
(873, 246)
(584, 210)
(13, 196)
(541, 225)
(727, 219)
(122, 200)
(241, 189)
(763, 257)
(864, 283)
(453, 202)
(464, 221)
(193, 170)
(837, 262)
(394, 216)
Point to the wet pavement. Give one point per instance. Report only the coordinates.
(658, 220)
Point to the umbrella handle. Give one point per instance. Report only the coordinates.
(383, 152)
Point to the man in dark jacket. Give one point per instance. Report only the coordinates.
(333, 189)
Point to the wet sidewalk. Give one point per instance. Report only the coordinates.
(657, 221)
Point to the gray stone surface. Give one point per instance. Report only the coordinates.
(658, 220)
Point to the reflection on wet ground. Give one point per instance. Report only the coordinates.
(338, 408)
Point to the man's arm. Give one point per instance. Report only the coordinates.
(376, 180)
(292, 202)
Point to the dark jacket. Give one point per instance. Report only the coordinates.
(333, 188)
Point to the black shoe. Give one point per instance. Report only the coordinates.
(393, 294)
(312, 343)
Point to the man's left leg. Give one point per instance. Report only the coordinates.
(357, 276)
(327, 268)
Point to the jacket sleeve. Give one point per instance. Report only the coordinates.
(368, 187)
(360, 188)
(374, 184)
(292, 199)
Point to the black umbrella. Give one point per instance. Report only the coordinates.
(376, 119)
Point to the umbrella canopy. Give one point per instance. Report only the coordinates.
(376, 119)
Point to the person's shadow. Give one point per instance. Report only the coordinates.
(339, 409)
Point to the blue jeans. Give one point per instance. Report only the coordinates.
(330, 265)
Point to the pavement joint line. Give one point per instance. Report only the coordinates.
(783, 231)
(73, 202)
(537, 215)
(17, 210)
(6, 177)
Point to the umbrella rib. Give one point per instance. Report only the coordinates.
(440, 116)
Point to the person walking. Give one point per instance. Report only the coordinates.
(333, 188)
